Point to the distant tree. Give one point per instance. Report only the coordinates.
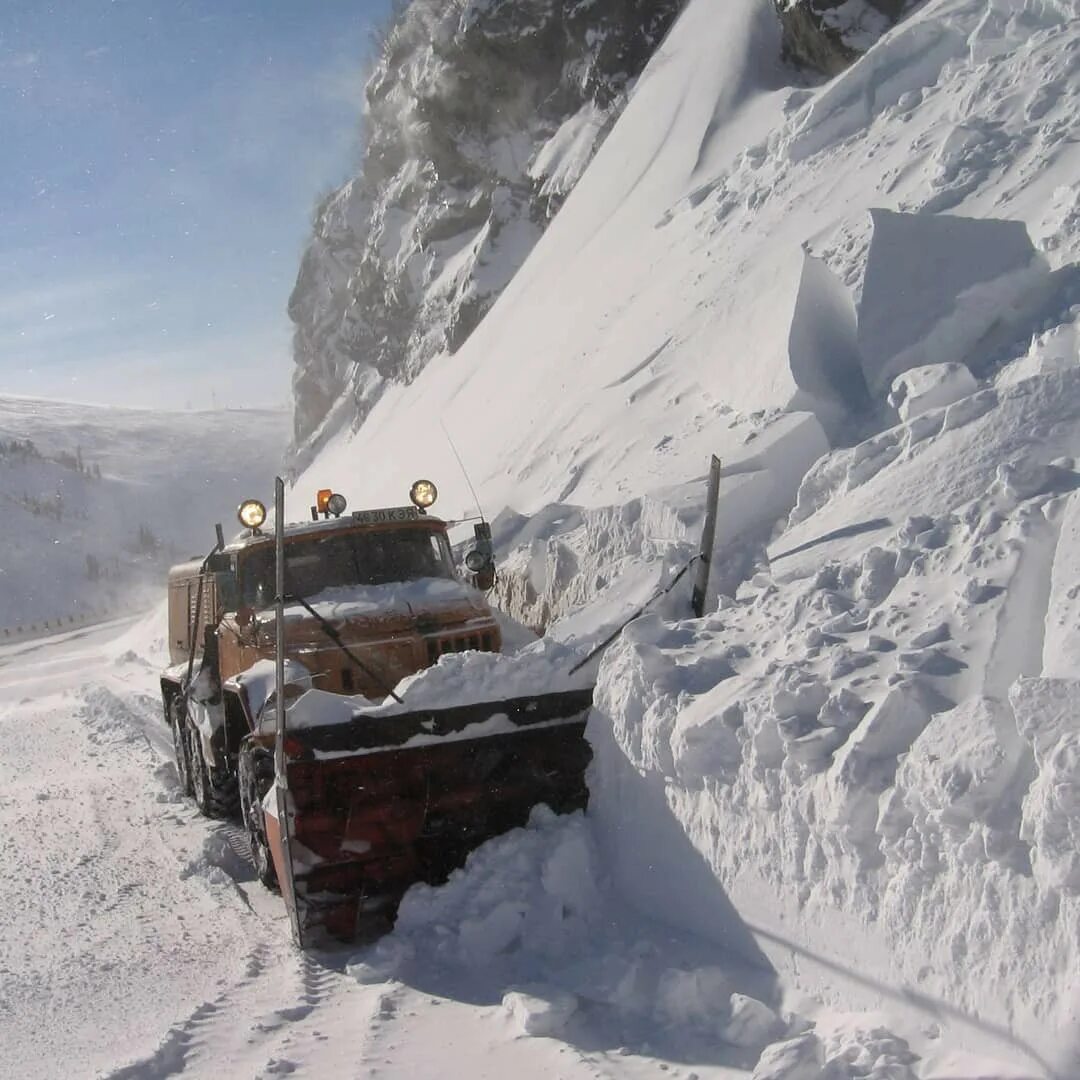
(146, 543)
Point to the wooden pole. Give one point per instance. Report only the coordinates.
(281, 776)
(708, 538)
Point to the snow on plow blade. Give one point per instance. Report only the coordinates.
(384, 801)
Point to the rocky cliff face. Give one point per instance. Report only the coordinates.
(828, 35)
(481, 116)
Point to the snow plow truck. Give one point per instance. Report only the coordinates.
(344, 816)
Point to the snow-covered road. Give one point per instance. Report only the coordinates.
(134, 941)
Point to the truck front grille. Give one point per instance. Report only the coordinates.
(437, 647)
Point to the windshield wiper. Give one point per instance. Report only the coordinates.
(335, 637)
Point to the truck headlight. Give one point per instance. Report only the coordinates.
(251, 513)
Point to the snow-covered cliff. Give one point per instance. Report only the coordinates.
(481, 116)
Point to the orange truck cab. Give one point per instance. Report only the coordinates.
(370, 597)
(373, 596)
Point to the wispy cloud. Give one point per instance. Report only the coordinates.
(20, 60)
(27, 305)
(242, 369)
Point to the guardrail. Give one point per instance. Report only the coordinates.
(48, 627)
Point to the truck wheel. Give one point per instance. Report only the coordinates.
(215, 792)
(180, 748)
(256, 770)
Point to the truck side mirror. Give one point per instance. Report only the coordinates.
(480, 562)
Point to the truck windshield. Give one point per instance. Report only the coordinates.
(359, 558)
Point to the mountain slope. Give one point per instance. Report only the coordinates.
(870, 745)
(664, 290)
(480, 118)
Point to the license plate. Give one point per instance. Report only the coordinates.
(392, 513)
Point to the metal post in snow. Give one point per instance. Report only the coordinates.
(281, 780)
(708, 537)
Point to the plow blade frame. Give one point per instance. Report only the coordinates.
(384, 801)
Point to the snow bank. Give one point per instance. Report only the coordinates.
(605, 562)
(860, 750)
(531, 923)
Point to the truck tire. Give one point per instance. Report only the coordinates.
(214, 790)
(256, 769)
(180, 747)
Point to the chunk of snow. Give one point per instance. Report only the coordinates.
(800, 1058)
(457, 679)
(822, 346)
(751, 1022)
(540, 1010)
(932, 387)
(259, 680)
(933, 286)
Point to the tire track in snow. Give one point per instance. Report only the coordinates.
(184, 1038)
(275, 1019)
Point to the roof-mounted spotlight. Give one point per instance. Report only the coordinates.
(423, 494)
(327, 502)
(252, 514)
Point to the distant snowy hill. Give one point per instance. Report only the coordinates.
(864, 297)
(102, 499)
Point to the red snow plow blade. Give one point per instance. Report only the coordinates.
(382, 802)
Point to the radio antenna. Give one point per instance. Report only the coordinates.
(461, 465)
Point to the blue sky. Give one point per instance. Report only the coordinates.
(161, 159)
